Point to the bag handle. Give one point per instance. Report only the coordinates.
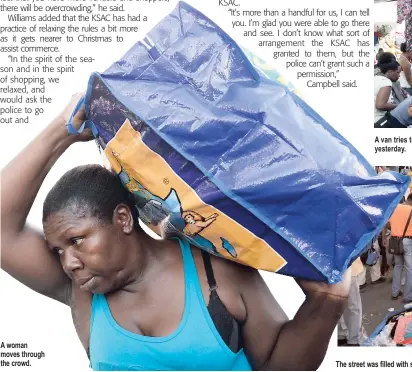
(86, 124)
(407, 224)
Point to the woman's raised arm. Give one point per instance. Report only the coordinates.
(24, 252)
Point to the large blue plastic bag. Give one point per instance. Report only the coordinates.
(215, 152)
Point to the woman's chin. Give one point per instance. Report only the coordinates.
(104, 288)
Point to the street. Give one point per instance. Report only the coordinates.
(376, 302)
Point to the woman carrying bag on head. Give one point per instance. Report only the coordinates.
(144, 304)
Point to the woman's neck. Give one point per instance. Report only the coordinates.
(146, 258)
(407, 57)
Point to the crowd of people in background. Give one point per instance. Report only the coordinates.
(393, 75)
(385, 266)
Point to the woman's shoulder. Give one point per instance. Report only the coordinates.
(382, 81)
(382, 78)
(233, 270)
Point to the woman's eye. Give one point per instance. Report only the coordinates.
(77, 241)
(59, 251)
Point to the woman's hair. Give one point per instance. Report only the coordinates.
(387, 62)
(89, 189)
(386, 57)
(390, 66)
(403, 47)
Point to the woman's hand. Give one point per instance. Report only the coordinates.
(78, 118)
(382, 99)
(275, 344)
(339, 291)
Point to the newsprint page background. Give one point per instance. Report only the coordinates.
(45, 325)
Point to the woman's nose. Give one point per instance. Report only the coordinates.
(70, 262)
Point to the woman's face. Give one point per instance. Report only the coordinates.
(394, 75)
(91, 252)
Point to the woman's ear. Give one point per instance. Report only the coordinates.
(123, 218)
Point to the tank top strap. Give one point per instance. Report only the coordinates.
(191, 276)
(188, 261)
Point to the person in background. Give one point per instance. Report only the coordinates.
(380, 168)
(406, 74)
(380, 52)
(375, 270)
(383, 239)
(383, 168)
(350, 327)
(397, 224)
(382, 266)
(393, 168)
(399, 117)
(387, 258)
(404, 12)
(387, 94)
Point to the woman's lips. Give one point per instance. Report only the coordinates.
(89, 284)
